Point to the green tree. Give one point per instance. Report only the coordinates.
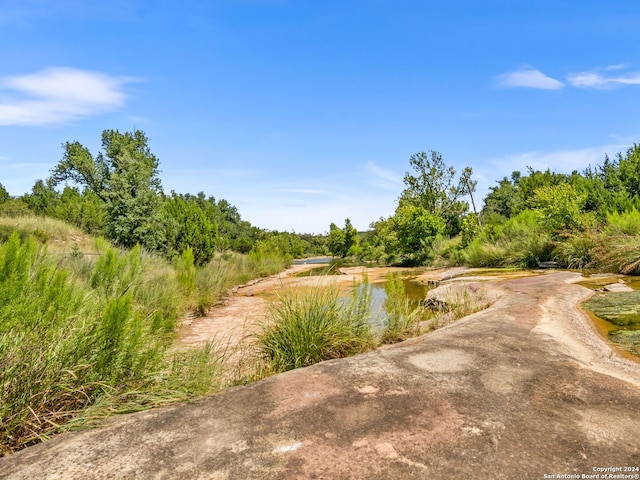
(560, 207)
(85, 210)
(416, 228)
(434, 186)
(503, 199)
(14, 208)
(4, 195)
(42, 198)
(125, 178)
(335, 241)
(341, 241)
(350, 236)
(187, 226)
(629, 170)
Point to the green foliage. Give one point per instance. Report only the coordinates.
(341, 241)
(84, 210)
(4, 195)
(416, 229)
(504, 199)
(626, 171)
(188, 226)
(575, 251)
(335, 241)
(73, 338)
(270, 255)
(623, 223)
(186, 271)
(310, 326)
(125, 178)
(14, 208)
(433, 186)
(402, 318)
(619, 253)
(522, 242)
(286, 245)
(560, 208)
(470, 229)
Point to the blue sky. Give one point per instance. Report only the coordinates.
(301, 112)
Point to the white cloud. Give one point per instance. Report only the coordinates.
(58, 95)
(619, 66)
(597, 80)
(383, 178)
(528, 78)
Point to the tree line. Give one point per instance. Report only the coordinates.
(581, 219)
(525, 219)
(117, 193)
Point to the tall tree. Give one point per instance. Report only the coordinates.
(125, 177)
(434, 186)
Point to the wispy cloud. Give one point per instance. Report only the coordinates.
(381, 177)
(59, 95)
(528, 78)
(619, 66)
(596, 79)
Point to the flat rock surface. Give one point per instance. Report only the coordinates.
(617, 287)
(521, 390)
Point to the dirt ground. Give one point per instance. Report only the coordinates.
(522, 390)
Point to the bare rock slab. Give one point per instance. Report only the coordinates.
(520, 390)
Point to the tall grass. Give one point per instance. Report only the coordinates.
(576, 251)
(623, 223)
(69, 343)
(311, 325)
(521, 242)
(402, 317)
(213, 280)
(60, 235)
(620, 253)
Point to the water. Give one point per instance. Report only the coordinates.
(313, 261)
(415, 292)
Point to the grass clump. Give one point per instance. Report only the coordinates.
(620, 253)
(402, 317)
(311, 325)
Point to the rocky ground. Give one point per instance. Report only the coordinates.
(522, 390)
